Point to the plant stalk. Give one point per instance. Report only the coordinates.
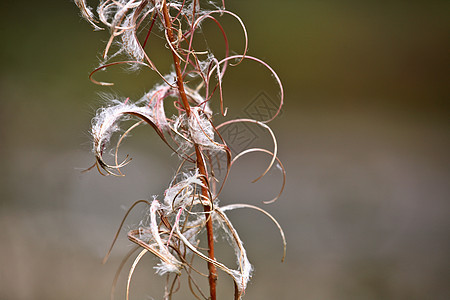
(200, 162)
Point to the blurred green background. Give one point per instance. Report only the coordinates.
(364, 136)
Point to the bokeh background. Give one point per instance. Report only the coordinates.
(364, 136)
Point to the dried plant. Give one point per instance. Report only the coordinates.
(190, 206)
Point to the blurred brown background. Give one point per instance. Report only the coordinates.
(364, 136)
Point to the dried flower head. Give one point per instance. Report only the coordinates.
(189, 208)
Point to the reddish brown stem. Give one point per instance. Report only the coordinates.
(200, 162)
(209, 225)
(176, 61)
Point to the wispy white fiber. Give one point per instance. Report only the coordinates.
(245, 268)
(201, 130)
(87, 14)
(111, 13)
(168, 262)
(180, 194)
(154, 99)
(130, 41)
(105, 123)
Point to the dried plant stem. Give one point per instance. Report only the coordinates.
(176, 61)
(209, 226)
(200, 162)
